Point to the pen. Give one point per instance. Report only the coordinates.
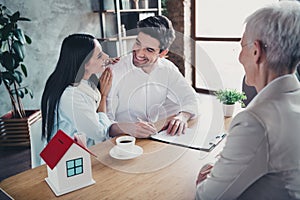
(146, 122)
(139, 119)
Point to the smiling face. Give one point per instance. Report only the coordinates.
(96, 64)
(146, 51)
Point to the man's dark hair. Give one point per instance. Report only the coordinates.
(160, 28)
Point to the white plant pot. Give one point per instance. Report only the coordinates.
(228, 110)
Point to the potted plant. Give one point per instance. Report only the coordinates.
(229, 97)
(15, 125)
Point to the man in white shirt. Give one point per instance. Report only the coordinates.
(147, 87)
(261, 157)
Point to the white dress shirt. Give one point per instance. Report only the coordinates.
(261, 157)
(136, 94)
(77, 114)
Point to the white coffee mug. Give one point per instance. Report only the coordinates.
(125, 145)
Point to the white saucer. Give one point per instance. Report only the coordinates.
(137, 151)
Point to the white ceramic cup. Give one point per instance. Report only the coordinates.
(125, 145)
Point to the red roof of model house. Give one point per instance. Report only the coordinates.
(57, 147)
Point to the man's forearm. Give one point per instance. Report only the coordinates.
(115, 130)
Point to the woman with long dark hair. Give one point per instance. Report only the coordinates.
(71, 101)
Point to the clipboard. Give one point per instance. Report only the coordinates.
(192, 140)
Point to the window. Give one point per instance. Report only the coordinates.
(74, 167)
(217, 30)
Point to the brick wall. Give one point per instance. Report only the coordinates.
(179, 14)
(176, 15)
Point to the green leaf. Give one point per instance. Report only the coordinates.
(18, 77)
(15, 17)
(28, 91)
(19, 49)
(28, 39)
(23, 19)
(21, 93)
(8, 61)
(17, 60)
(24, 70)
(7, 31)
(20, 35)
(7, 81)
(3, 20)
(7, 77)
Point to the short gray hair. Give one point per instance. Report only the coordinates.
(277, 27)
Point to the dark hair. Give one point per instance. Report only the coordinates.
(160, 28)
(76, 50)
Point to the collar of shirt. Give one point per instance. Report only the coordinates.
(282, 84)
(85, 87)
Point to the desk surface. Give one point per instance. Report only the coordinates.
(164, 171)
(173, 180)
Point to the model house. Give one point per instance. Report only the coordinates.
(252, 153)
(68, 164)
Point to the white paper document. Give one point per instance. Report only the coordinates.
(204, 135)
(191, 139)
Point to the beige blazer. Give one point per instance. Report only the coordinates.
(261, 157)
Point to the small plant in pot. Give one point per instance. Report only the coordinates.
(12, 73)
(229, 97)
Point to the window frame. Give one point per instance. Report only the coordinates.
(74, 167)
(206, 39)
(209, 39)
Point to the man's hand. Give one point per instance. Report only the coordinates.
(139, 129)
(204, 171)
(177, 124)
(113, 61)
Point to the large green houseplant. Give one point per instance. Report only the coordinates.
(12, 53)
(18, 125)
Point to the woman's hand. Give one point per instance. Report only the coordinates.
(105, 82)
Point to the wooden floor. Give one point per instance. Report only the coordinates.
(13, 161)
